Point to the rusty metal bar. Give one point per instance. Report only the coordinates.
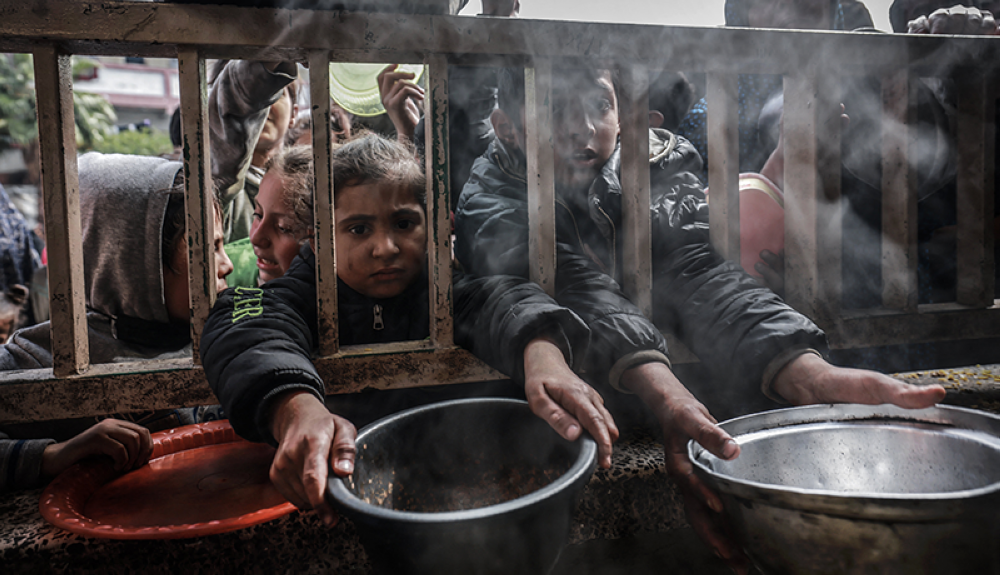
(439, 251)
(802, 190)
(164, 384)
(540, 173)
(323, 203)
(829, 202)
(199, 191)
(637, 270)
(941, 322)
(724, 164)
(975, 207)
(61, 194)
(899, 195)
(150, 25)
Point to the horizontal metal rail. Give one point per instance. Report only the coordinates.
(53, 30)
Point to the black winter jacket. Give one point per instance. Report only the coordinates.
(258, 342)
(732, 323)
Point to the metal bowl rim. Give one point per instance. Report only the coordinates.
(810, 414)
(583, 465)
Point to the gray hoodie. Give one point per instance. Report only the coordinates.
(123, 204)
(123, 201)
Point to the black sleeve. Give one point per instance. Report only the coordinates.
(497, 316)
(257, 345)
(491, 227)
(734, 325)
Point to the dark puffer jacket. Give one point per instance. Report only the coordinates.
(732, 323)
(258, 342)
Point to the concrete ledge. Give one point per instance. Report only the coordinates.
(634, 497)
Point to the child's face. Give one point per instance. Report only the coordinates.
(381, 238)
(175, 277)
(275, 233)
(279, 119)
(585, 124)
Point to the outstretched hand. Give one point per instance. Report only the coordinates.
(809, 379)
(958, 19)
(402, 100)
(682, 417)
(127, 444)
(310, 441)
(564, 401)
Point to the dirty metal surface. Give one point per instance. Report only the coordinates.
(323, 204)
(439, 237)
(61, 198)
(198, 191)
(36, 395)
(148, 26)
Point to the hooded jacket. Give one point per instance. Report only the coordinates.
(736, 327)
(123, 202)
(258, 342)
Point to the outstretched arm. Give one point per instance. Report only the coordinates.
(311, 440)
(256, 350)
(515, 327)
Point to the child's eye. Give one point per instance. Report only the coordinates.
(358, 229)
(257, 215)
(285, 230)
(405, 224)
(602, 104)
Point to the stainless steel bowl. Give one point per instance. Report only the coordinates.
(470, 486)
(863, 489)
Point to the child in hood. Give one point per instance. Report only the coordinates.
(136, 280)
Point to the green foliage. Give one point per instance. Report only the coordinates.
(143, 143)
(95, 119)
(17, 101)
(95, 116)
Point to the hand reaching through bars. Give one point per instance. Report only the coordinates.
(311, 440)
(564, 401)
(809, 379)
(127, 444)
(958, 19)
(682, 417)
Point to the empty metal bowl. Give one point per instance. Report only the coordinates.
(862, 489)
(472, 486)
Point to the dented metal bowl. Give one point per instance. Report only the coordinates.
(863, 489)
(472, 486)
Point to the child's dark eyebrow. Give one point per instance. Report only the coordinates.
(407, 212)
(352, 218)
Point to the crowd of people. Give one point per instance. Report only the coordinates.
(566, 353)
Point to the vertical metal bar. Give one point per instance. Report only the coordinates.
(61, 196)
(802, 188)
(541, 176)
(975, 206)
(829, 203)
(199, 203)
(724, 164)
(637, 254)
(439, 208)
(899, 196)
(323, 203)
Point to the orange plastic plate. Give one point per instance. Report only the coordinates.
(201, 480)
